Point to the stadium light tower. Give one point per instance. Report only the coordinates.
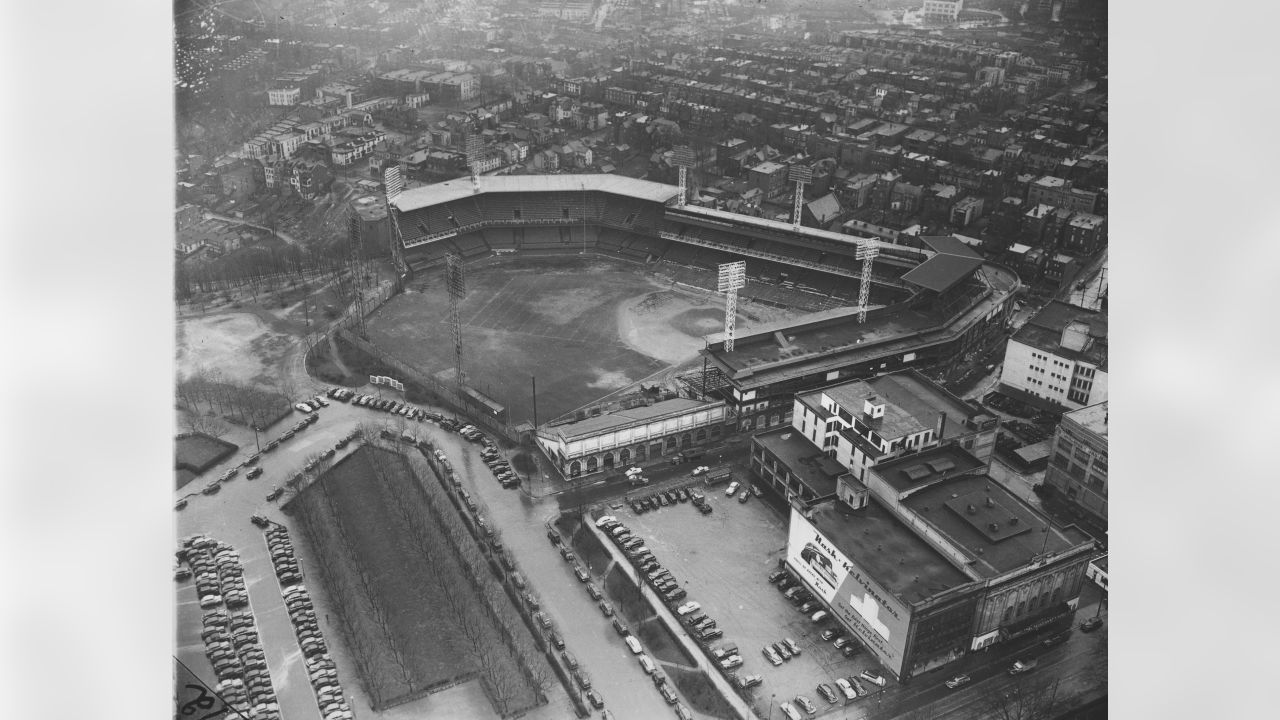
(732, 277)
(801, 175)
(393, 185)
(683, 158)
(867, 252)
(475, 152)
(456, 282)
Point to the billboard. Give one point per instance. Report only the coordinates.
(868, 610)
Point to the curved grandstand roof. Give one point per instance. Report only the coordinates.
(438, 193)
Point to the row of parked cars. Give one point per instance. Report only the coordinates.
(501, 469)
(663, 498)
(230, 634)
(321, 669)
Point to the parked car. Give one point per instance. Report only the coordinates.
(957, 681)
(743, 496)
(275, 493)
(872, 676)
(688, 607)
(581, 574)
(668, 694)
(777, 575)
(557, 642)
(804, 702)
(790, 711)
(819, 616)
(829, 634)
(846, 689)
(747, 681)
(302, 407)
(733, 488)
(791, 645)
(255, 472)
(1091, 624)
(772, 656)
(731, 662)
(595, 699)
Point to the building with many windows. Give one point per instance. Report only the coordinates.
(1078, 461)
(620, 438)
(942, 11)
(1058, 360)
(929, 559)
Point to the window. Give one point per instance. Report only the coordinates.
(515, 213)
(564, 213)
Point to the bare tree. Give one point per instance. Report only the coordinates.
(210, 426)
(1026, 698)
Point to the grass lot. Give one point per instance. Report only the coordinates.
(556, 318)
(409, 613)
(197, 452)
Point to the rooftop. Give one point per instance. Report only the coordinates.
(450, 190)
(805, 460)
(996, 528)
(914, 472)
(893, 555)
(912, 403)
(1045, 332)
(625, 418)
(1093, 418)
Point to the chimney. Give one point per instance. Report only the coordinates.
(873, 408)
(942, 426)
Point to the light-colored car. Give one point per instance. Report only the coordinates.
(790, 711)
(634, 644)
(302, 407)
(958, 680)
(846, 689)
(873, 677)
(733, 488)
(688, 607)
(819, 616)
(804, 702)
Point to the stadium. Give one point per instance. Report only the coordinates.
(605, 286)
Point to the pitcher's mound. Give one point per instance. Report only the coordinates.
(699, 321)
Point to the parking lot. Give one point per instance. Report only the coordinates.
(723, 560)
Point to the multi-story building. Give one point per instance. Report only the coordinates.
(769, 177)
(1058, 359)
(864, 422)
(284, 96)
(618, 439)
(1085, 234)
(1058, 192)
(942, 11)
(930, 559)
(1078, 461)
(966, 211)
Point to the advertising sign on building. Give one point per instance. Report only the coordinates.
(861, 604)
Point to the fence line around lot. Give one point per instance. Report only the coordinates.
(440, 393)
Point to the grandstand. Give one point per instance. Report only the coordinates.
(939, 298)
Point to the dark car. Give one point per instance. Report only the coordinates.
(1091, 624)
(596, 701)
(777, 575)
(275, 493)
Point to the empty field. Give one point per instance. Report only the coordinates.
(412, 619)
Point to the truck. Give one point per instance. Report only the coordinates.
(718, 475)
(1021, 666)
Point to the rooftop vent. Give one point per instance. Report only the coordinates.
(971, 509)
(873, 407)
(1013, 521)
(990, 502)
(995, 526)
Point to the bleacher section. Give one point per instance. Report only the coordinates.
(557, 222)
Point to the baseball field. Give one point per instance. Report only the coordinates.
(586, 326)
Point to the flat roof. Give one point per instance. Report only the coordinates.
(912, 403)
(625, 418)
(805, 460)
(1093, 418)
(914, 472)
(1044, 331)
(958, 509)
(439, 193)
(883, 546)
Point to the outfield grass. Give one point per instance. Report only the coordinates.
(553, 318)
